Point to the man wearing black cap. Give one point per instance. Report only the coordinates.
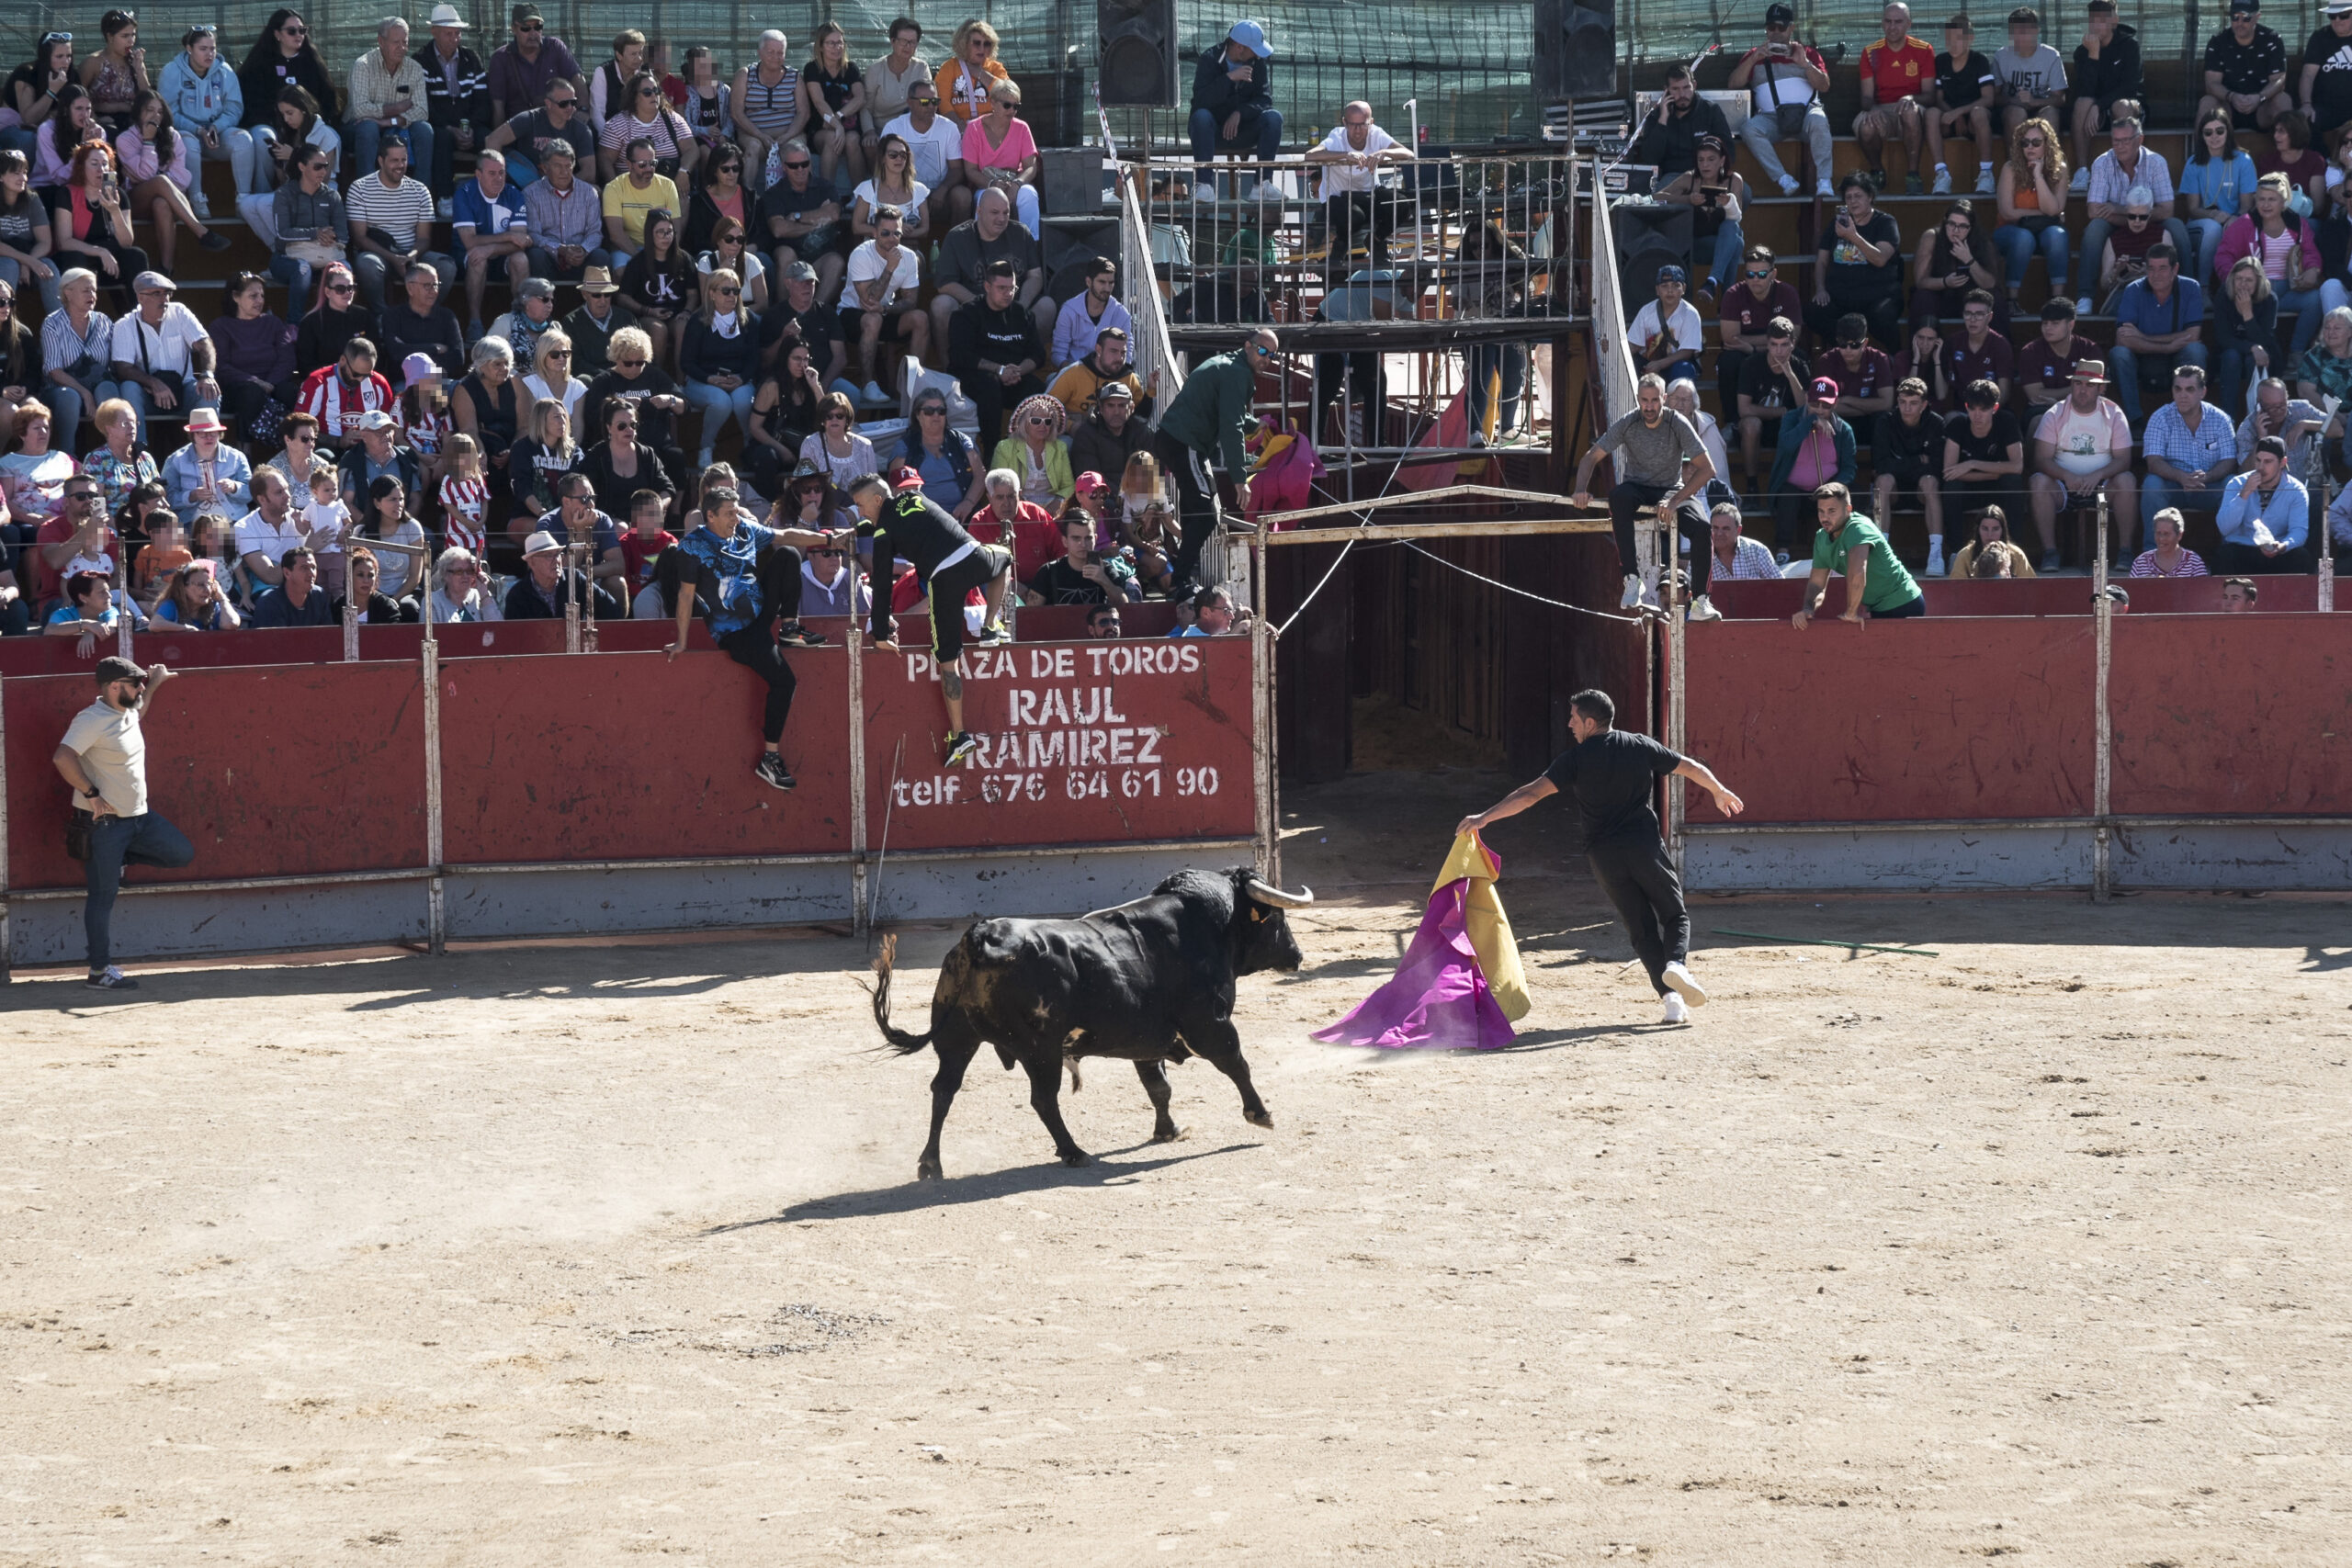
(103, 757)
(1785, 80)
(2245, 71)
(1613, 776)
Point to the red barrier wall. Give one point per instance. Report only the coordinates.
(624, 756)
(1761, 599)
(2232, 713)
(270, 771)
(1894, 720)
(1089, 742)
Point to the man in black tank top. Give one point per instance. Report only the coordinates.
(1612, 775)
(910, 526)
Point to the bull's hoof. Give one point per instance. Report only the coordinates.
(1166, 1134)
(1259, 1118)
(1078, 1158)
(928, 1170)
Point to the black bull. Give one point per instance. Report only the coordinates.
(1150, 981)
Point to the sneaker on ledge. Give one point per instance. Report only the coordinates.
(961, 747)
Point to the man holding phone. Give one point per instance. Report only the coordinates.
(388, 98)
(1786, 80)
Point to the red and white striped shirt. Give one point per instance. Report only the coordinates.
(467, 502)
(335, 402)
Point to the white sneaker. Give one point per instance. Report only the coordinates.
(1943, 183)
(1676, 1012)
(1825, 191)
(441, 209)
(1632, 594)
(874, 394)
(1983, 179)
(1789, 185)
(1935, 558)
(1703, 608)
(1204, 190)
(1686, 987)
(2082, 180)
(2082, 306)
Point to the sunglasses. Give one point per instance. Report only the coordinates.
(822, 554)
(532, 27)
(342, 287)
(648, 92)
(559, 354)
(291, 29)
(1759, 275)
(302, 436)
(2135, 218)
(629, 364)
(562, 103)
(801, 164)
(726, 293)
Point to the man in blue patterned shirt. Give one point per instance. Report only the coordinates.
(2191, 447)
(745, 578)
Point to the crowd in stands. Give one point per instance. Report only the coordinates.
(681, 250)
(2229, 282)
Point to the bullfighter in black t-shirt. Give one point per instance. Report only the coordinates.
(1612, 775)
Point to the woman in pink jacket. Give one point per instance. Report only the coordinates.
(154, 164)
(2287, 245)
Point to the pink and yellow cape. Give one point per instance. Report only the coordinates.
(1459, 986)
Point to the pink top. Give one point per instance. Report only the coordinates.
(138, 156)
(2243, 235)
(1018, 147)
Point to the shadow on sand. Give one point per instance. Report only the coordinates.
(914, 1197)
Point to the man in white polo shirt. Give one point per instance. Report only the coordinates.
(103, 757)
(1353, 213)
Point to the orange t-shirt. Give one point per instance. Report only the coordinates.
(963, 92)
(1898, 73)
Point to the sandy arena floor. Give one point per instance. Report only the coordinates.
(2034, 1250)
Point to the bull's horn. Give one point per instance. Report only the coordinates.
(1267, 893)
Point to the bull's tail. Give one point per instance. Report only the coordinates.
(898, 1040)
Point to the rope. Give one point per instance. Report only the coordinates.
(1303, 604)
(1523, 594)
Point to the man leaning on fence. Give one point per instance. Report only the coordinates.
(1660, 462)
(103, 757)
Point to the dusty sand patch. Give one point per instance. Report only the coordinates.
(2034, 1250)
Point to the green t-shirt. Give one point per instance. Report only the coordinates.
(1889, 585)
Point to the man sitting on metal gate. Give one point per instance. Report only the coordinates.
(1660, 462)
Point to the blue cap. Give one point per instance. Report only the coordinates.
(1252, 36)
(1672, 274)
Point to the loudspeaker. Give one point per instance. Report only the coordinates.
(1141, 60)
(1648, 237)
(1576, 50)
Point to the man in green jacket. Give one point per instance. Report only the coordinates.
(1203, 432)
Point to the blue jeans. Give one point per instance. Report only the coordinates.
(1261, 132)
(716, 407)
(2157, 492)
(364, 137)
(1483, 360)
(182, 390)
(14, 271)
(2307, 306)
(1731, 247)
(299, 279)
(147, 839)
(2126, 366)
(2017, 245)
(2205, 234)
(66, 404)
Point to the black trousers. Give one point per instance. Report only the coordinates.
(1357, 378)
(1359, 218)
(994, 399)
(1689, 522)
(1883, 311)
(240, 401)
(752, 645)
(2244, 560)
(1195, 512)
(1641, 883)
